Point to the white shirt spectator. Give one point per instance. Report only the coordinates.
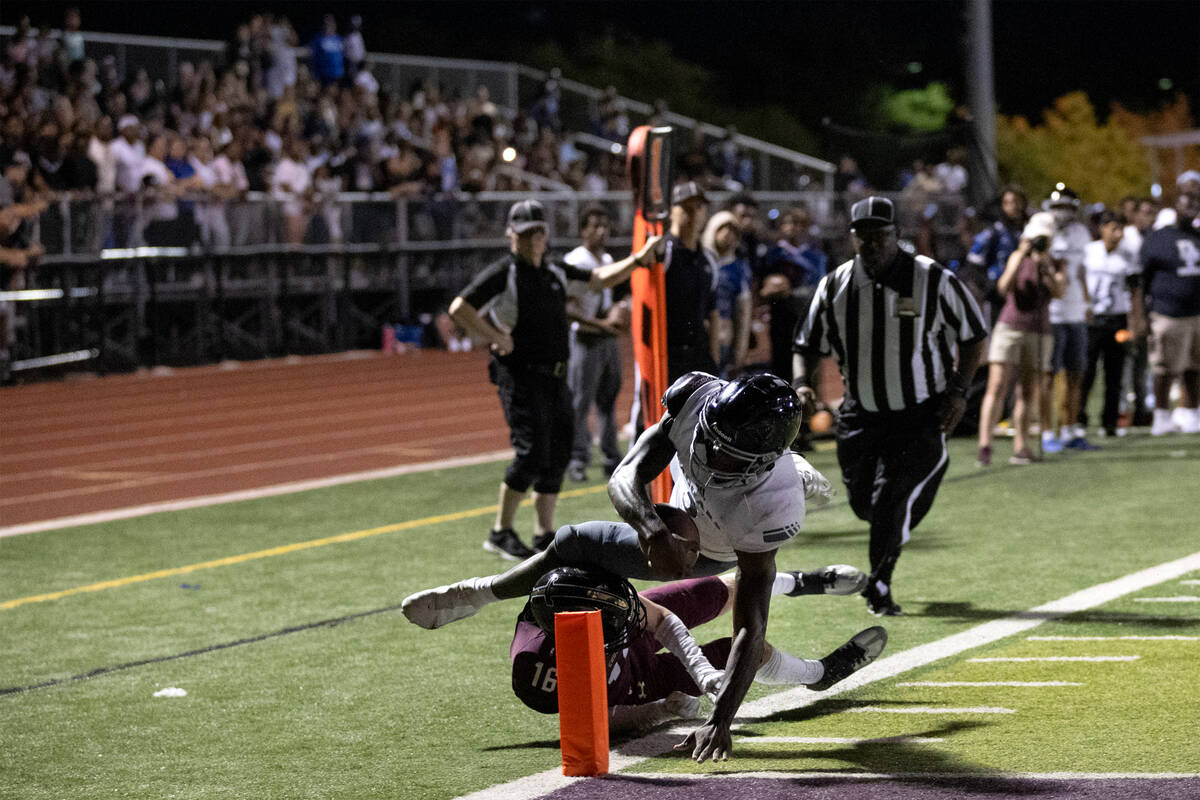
(155, 173)
(1131, 244)
(1069, 245)
(366, 81)
(101, 155)
(590, 303)
(953, 177)
(290, 182)
(353, 47)
(230, 173)
(127, 159)
(1106, 276)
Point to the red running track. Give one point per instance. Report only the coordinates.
(98, 444)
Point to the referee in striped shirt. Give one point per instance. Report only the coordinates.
(895, 323)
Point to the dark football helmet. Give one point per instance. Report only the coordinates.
(622, 615)
(744, 428)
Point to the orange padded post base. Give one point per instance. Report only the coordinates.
(582, 692)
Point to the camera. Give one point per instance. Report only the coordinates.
(1041, 244)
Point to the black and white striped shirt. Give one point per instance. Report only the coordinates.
(894, 340)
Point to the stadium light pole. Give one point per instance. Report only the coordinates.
(981, 95)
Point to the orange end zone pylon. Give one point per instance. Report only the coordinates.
(648, 162)
(582, 692)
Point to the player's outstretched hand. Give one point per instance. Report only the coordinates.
(710, 740)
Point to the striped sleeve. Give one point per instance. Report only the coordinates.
(960, 310)
(812, 333)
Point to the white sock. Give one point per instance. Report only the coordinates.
(1066, 433)
(784, 668)
(1047, 435)
(482, 588)
(784, 583)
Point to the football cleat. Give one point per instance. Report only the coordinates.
(434, 608)
(863, 648)
(506, 544)
(839, 579)
(881, 604)
(682, 705)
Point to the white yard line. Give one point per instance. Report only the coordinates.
(249, 494)
(640, 750)
(1179, 598)
(930, 710)
(997, 659)
(921, 776)
(1021, 684)
(1191, 582)
(1165, 638)
(839, 740)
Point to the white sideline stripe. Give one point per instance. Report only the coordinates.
(1191, 582)
(930, 710)
(639, 750)
(249, 494)
(839, 740)
(996, 659)
(1023, 684)
(1165, 638)
(1179, 598)
(921, 776)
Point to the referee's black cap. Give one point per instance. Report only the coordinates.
(872, 212)
(526, 215)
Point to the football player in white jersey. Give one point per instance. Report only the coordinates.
(726, 443)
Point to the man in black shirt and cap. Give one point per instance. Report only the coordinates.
(517, 306)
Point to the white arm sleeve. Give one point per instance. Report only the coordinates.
(675, 636)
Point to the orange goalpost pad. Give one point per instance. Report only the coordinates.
(582, 692)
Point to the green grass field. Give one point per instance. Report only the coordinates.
(367, 705)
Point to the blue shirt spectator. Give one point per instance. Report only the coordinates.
(328, 61)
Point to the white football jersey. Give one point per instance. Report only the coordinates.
(755, 517)
(1069, 246)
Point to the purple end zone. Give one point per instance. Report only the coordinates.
(632, 787)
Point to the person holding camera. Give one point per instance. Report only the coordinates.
(1021, 342)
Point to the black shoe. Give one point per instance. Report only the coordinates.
(507, 544)
(835, 579)
(881, 605)
(542, 541)
(863, 648)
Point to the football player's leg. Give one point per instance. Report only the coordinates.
(840, 579)
(695, 600)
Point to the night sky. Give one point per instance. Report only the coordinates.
(806, 54)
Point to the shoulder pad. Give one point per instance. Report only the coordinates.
(683, 388)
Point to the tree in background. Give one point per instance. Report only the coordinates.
(1172, 118)
(1103, 162)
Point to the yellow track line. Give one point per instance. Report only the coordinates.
(276, 551)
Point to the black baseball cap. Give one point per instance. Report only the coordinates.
(526, 215)
(872, 212)
(686, 191)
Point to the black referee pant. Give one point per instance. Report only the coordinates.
(892, 464)
(541, 423)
